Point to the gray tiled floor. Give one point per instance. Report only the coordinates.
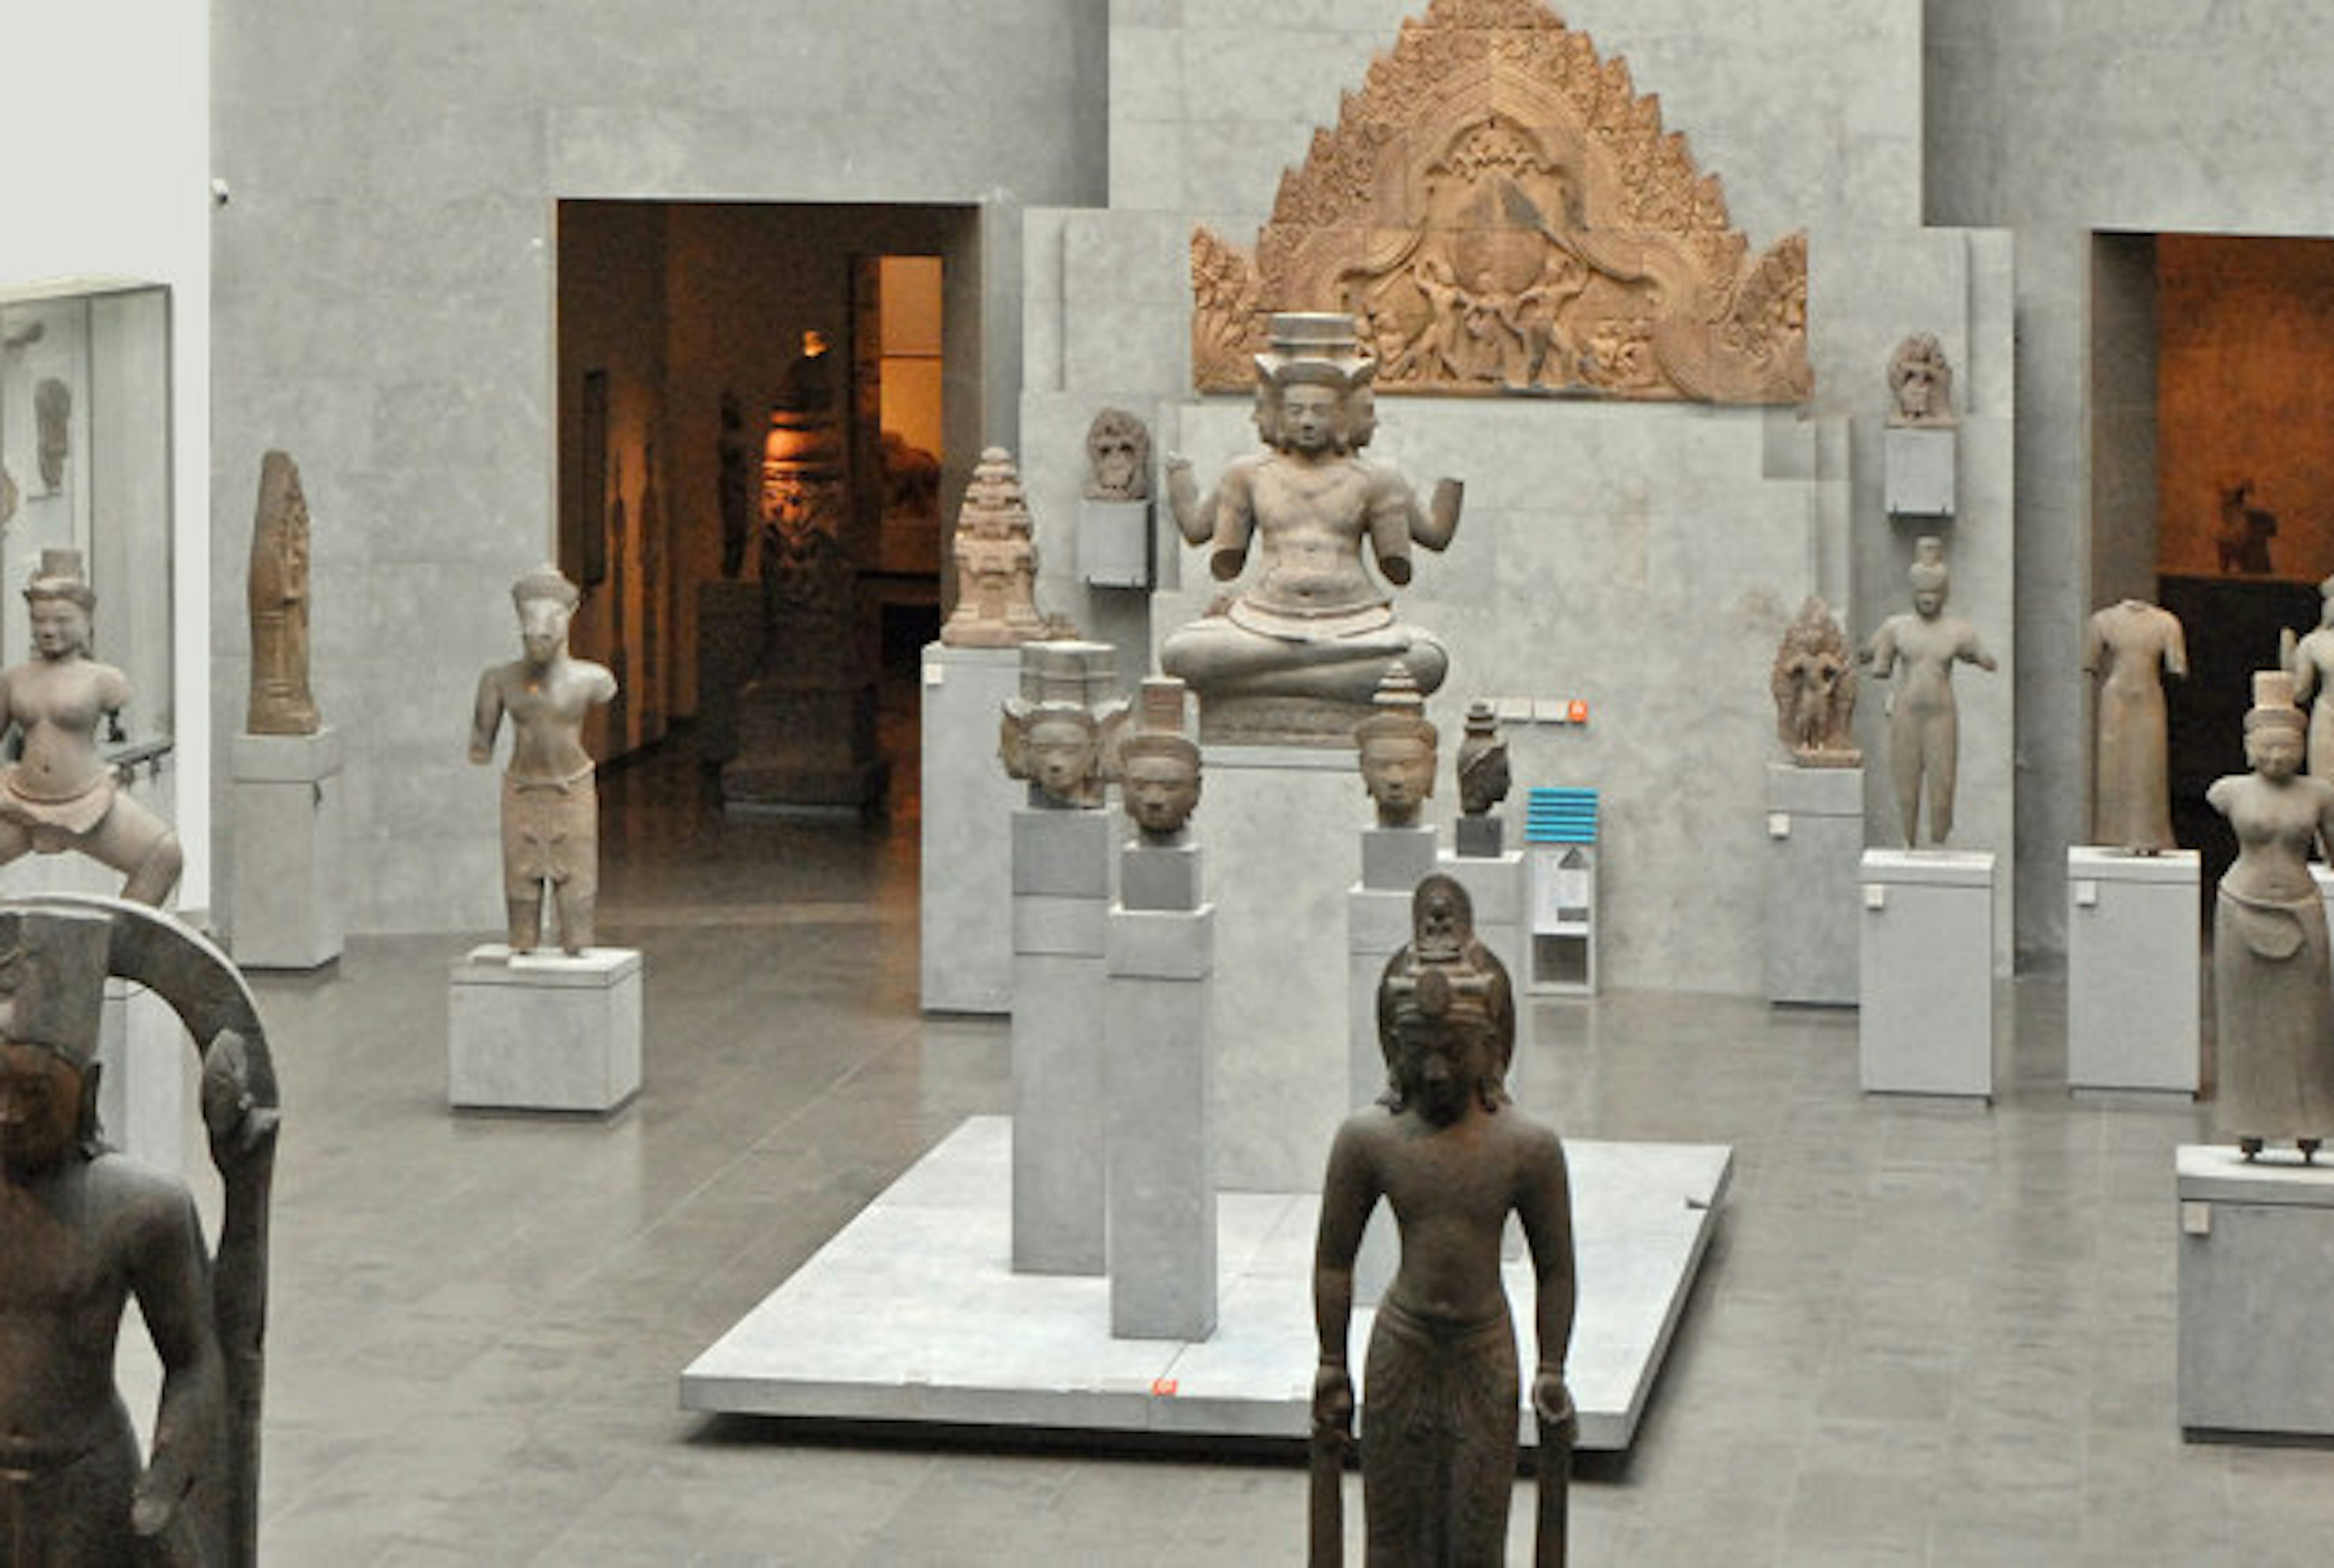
(1926, 1332)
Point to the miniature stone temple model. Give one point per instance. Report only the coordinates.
(1397, 751)
(1158, 765)
(551, 802)
(88, 1229)
(1452, 1154)
(2311, 660)
(2134, 645)
(995, 560)
(281, 702)
(60, 793)
(1921, 382)
(1924, 725)
(1118, 456)
(1485, 778)
(1057, 732)
(1295, 657)
(1814, 685)
(2269, 979)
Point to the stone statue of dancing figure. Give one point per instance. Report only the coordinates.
(551, 803)
(1453, 1156)
(61, 794)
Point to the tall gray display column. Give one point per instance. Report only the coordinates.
(966, 893)
(1061, 901)
(1815, 826)
(1395, 860)
(1161, 1078)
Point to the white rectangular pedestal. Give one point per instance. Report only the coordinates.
(1061, 1110)
(1815, 835)
(542, 1031)
(966, 877)
(2256, 1272)
(1927, 957)
(1161, 1078)
(285, 887)
(2133, 969)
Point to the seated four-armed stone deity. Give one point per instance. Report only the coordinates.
(1293, 657)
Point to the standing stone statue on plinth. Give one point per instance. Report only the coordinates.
(60, 794)
(87, 1229)
(1452, 1158)
(1056, 734)
(283, 887)
(1159, 1042)
(1294, 658)
(1924, 725)
(2133, 645)
(2270, 965)
(551, 802)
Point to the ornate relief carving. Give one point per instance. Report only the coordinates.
(1503, 212)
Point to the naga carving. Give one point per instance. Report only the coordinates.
(1503, 212)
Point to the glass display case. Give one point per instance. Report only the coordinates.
(85, 466)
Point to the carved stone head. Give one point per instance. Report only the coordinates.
(1484, 777)
(1057, 733)
(1446, 1010)
(545, 602)
(1397, 750)
(53, 970)
(1159, 763)
(1313, 386)
(1929, 576)
(1118, 451)
(2276, 730)
(62, 604)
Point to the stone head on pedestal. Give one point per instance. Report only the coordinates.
(1397, 751)
(1118, 451)
(1057, 733)
(1484, 776)
(1921, 380)
(1159, 763)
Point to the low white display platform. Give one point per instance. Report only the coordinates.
(912, 1312)
(2256, 1272)
(1927, 957)
(285, 883)
(542, 1031)
(2134, 968)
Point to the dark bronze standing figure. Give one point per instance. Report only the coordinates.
(87, 1228)
(1451, 1154)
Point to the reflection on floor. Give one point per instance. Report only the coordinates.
(1924, 1333)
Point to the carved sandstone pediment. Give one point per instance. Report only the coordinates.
(1504, 212)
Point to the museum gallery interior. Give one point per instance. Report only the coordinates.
(1147, 781)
